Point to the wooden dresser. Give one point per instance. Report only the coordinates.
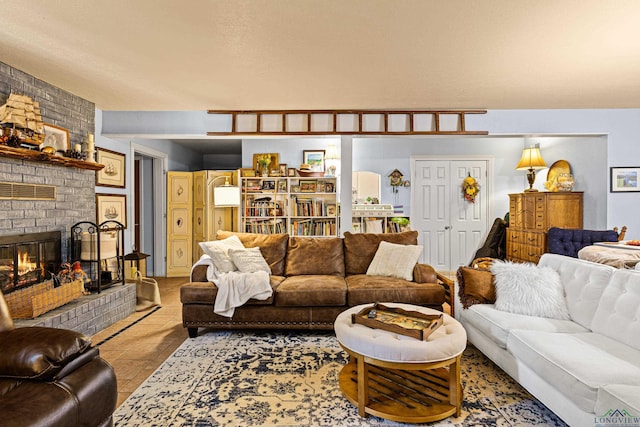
(532, 214)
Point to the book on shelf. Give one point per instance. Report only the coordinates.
(265, 226)
(313, 227)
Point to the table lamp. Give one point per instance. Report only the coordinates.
(531, 161)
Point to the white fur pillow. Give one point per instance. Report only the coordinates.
(529, 289)
(218, 250)
(249, 260)
(394, 260)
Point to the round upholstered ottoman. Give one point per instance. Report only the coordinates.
(401, 378)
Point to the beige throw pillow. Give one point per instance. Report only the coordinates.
(249, 260)
(393, 260)
(218, 250)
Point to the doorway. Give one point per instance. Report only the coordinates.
(451, 228)
(149, 231)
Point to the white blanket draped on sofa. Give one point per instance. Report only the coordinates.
(235, 288)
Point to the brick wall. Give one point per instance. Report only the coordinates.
(75, 188)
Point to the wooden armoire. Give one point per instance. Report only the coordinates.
(531, 214)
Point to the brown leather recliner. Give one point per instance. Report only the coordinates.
(52, 377)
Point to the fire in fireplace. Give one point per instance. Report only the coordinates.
(27, 259)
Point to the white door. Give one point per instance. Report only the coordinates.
(450, 227)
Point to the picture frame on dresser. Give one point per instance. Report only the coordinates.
(113, 173)
(625, 179)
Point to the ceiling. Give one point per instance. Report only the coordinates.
(330, 54)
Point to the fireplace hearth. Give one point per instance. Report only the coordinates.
(28, 259)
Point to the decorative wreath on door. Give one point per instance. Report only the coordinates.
(470, 188)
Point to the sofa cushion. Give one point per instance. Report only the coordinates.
(315, 256)
(579, 363)
(249, 260)
(312, 291)
(618, 314)
(475, 286)
(618, 396)
(360, 248)
(206, 292)
(393, 260)
(583, 283)
(364, 289)
(218, 251)
(497, 324)
(272, 246)
(525, 288)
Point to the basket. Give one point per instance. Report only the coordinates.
(40, 298)
(308, 174)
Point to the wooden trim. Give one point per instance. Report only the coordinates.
(37, 156)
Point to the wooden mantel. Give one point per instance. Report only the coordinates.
(37, 156)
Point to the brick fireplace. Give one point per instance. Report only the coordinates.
(28, 259)
(74, 200)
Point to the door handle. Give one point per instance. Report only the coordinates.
(447, 227)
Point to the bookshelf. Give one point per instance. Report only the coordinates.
(378, 219)
(299, 206)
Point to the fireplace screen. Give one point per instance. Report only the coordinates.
(27, 259)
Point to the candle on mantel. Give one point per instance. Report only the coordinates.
(78, 148)
(90, 142)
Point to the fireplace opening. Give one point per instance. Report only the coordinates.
(27, 259)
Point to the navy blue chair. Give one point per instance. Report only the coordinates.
(567, 241)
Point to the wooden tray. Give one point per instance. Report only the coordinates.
(410, 323)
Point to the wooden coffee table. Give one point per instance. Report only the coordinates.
(401, 378)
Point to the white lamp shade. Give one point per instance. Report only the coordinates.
(226, 196)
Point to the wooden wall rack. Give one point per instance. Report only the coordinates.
(347, 122)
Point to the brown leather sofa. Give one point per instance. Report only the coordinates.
(52, 377)
(313, 280)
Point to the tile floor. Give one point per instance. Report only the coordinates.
(137, 351)
(148, 340)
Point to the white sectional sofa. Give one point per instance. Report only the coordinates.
(582, 369)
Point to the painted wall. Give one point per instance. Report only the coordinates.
(179, 159)
(619, 127)
(587, 156)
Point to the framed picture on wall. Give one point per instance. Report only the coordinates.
(315, 159)
(112, 175)
(57, 138)
(111, 207)
(625, 179)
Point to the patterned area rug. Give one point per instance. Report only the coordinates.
(291, 379)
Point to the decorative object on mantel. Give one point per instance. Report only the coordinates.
(57, 138)
(470, 188)
(90, 149)
(531, 161)
(20, 117)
